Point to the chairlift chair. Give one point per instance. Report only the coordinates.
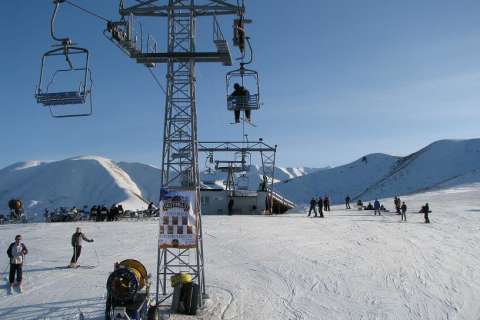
(243, 182)
(80, 95)
(249, 80)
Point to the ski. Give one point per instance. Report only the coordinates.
(77, 267)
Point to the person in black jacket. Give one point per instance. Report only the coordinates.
(313, 204)
(347, 202)
(326, 203)
(426, 210)
(320, 206)
(77, 238)
(16, 253)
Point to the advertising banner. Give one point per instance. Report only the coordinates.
(178, 220)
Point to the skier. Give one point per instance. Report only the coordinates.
(320, 206)
(376, 207)
(347, 202)
(77, 238)
(426, 210)
(16, 252)
(404, 211)
(313, 204)
(326, 203)
(397, 203)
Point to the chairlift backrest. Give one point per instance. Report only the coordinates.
(78, 95)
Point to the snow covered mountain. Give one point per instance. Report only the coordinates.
(444, 163)
(95, 180)
(76, 181)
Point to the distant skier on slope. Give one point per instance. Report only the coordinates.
(404, 211)
(347, 202)
(397, 202)
(77, 238)
(320, 206)
(426, 210)
(326, 203)
(376, 207)
(16, 253)
(313, 204)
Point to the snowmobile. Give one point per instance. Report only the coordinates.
(128, 293)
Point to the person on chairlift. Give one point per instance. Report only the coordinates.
(239, 98)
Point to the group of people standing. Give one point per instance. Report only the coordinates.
(101, 213)
(323, 205)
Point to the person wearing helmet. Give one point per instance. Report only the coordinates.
(77, 239)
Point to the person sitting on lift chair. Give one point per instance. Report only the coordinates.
(239, 98)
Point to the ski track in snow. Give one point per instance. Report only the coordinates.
(350, 265)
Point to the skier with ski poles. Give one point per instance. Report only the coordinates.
(16, 252)
(77, 238)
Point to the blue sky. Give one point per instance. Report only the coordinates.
(339, 79)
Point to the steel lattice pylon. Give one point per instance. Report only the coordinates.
(180, 151)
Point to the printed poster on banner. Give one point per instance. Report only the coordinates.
(177, 219)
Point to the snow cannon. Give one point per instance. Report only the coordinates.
(128, 293)
(15, 204)
(16, 209)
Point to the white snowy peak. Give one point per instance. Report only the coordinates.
(444, 163)
(76, 181)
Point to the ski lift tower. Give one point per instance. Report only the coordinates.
(180, 152)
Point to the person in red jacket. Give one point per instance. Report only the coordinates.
(16, 253)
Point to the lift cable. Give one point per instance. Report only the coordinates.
(107, 20)
(157, 80)
(87, 11)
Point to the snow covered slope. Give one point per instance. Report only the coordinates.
(339, 181)
(432, 166)
(442, 164)
(76, 181)
(350, 265)
(146, 177)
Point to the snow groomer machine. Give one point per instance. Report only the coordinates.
(128, 293)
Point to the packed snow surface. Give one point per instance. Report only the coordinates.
(350, 265)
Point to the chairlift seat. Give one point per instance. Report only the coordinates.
(61, 98)
(243, 103)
